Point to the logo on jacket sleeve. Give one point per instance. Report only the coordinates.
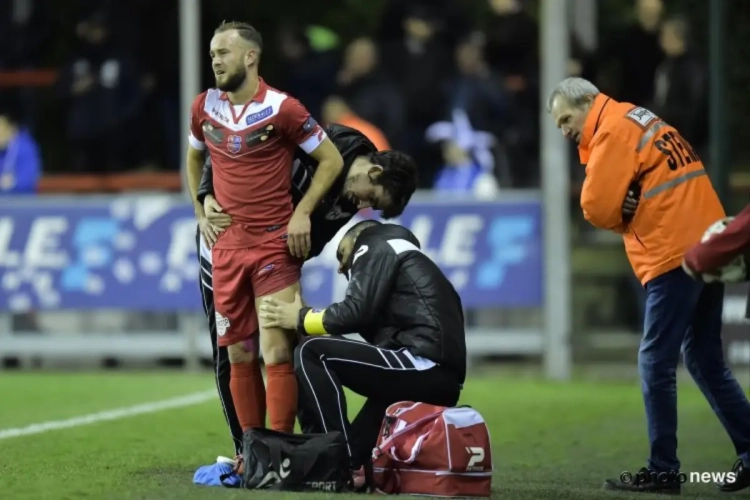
(234, 144)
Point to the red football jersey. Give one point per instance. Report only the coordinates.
(252, 148)
(722, 247)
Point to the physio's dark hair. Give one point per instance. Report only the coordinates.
(245, 30)
(399, 179)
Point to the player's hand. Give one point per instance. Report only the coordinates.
(215, 214)
(298, 235)
(279, 314)
(209, 232)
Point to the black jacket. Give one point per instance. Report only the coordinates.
(398, 297)
(334, 211)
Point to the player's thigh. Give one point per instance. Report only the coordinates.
(235, 313)
(277, 275)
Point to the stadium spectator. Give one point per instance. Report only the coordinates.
(622, 144)
(633, 53)
(511, 51)
(305, 73)
(410, 315)
(25, 30)
(368, 92)
(420, 63)
(336, 110)
(512, 44)
(681, 97)
(479, 114)
(20, 161)
(103, 91)
(155, 44)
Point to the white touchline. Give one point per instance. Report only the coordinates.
(104, 416)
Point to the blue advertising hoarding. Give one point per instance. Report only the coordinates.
(138, 253)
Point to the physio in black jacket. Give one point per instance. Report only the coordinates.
(382, 180)
(411, 317)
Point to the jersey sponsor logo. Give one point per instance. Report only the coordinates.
(259, 115)
(309, 124)
(222, 324)
(260, 136)
(234, 144)
(215, 135)
(267, 269)
(641, 116)
(217, 114)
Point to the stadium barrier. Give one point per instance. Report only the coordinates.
(134, 256)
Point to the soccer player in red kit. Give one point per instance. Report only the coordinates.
(251, 131)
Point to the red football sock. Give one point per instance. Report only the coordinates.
(248, 394)
(281, 396)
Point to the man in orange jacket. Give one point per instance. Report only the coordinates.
(626, 148)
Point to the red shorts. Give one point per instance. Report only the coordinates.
(242, 275)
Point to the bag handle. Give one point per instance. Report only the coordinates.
(414, 450)
(397, 437)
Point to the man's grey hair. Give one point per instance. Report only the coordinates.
(575, 90)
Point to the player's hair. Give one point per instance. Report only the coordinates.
(575, 90)
(398, 178)
(357, 228)
(245, 30)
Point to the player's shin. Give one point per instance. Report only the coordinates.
(281, 393)
(246, 384)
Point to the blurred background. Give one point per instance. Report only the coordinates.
(97, 249)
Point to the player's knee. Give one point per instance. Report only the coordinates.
(275, 346)
(242, 352)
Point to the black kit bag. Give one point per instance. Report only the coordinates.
(295, 462)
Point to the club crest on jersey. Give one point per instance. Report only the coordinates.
(258, 116)
(234, 144)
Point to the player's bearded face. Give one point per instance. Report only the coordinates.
(231, 79)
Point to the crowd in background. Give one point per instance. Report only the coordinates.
(463, 99)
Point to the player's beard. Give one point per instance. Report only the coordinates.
(233, 81)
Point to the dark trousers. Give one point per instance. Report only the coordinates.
(221, 364)
(325, 365)
(683, 313)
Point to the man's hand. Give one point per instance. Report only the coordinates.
(215, 214)
(630, 204)
(298, 234)
(209, 232)
(279, 314)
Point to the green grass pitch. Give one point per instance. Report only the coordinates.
(550, 440)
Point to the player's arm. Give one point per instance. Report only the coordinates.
(609, 172)
(194, 165)
(195, 154)
(206, 185)
(305, 132)
(721, 248)
(374, 270)
(330, 166)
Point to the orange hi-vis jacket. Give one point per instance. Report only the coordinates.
(622, 143)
